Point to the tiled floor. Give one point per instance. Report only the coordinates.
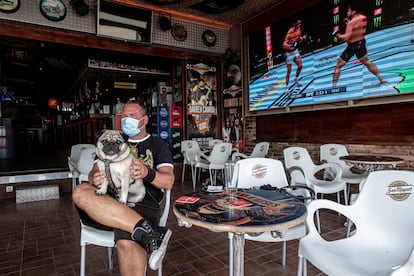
(42, 238)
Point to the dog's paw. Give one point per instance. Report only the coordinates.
(100, 192)
(124, 201)
(131, 204)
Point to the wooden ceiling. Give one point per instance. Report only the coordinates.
(219, 13)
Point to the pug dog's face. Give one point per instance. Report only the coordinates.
(112, 146)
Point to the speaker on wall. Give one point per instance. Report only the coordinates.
(164, 21)
(80, 7)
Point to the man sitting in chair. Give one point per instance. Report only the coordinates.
(136, 229)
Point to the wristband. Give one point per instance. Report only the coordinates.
(150, 175)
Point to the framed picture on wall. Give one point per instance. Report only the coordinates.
(232, 119)
(202, 100)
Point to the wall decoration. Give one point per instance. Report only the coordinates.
(201, 101)
(9, 6)
(54, 10)
(233, 130)
(209, 38)
(179, 32)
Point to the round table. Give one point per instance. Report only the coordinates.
(372, 162)
(240, 212)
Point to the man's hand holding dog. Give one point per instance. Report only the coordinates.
(97, 179)
(138, 169)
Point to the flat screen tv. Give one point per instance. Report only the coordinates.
(389, 43)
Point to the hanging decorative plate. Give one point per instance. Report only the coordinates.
(9, 6)
(179, 32)
(209, 38)
(54, 10)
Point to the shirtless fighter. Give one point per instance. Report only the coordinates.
(356, 27)
(290, 45)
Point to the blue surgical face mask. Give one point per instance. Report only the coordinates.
(130, 126)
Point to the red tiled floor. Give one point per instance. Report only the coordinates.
(42, 238)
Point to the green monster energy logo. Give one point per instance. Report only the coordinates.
(377, 21)
(336, 19)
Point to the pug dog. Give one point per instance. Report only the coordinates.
(114, 160)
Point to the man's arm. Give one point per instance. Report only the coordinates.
(163, 178)
(348, 32)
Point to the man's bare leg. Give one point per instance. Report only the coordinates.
(105, 209)
(372, 68)
(108, 211)
(298, 70)
(132, 258)
(289, 69)
(337, 71)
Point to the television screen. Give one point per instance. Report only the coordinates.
(124, 22)
(384, 28)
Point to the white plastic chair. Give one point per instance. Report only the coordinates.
(407, 268)
(383, 241)
(212, 142)
(85, 163)
(303, 172)
(73, 160)
(189, 150)
(91, 235)
(213, 162)
(257, 172)
(331, 153)
(260, 150)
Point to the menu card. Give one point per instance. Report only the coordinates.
(187, 199)
(240, 202)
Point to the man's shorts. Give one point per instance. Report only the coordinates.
(147, 208)
(292, 56)
(356, 48)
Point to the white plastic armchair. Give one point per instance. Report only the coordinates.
(73, 160)
(85, 164)
(105, 238)
(261, 171)
(260, 150)
(303, 171)
(407, 268)
(383, 241)
(189, 149)
(330, 153)
(213, 162)
(212, 142)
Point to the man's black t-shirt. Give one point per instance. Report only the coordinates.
(155, 154)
